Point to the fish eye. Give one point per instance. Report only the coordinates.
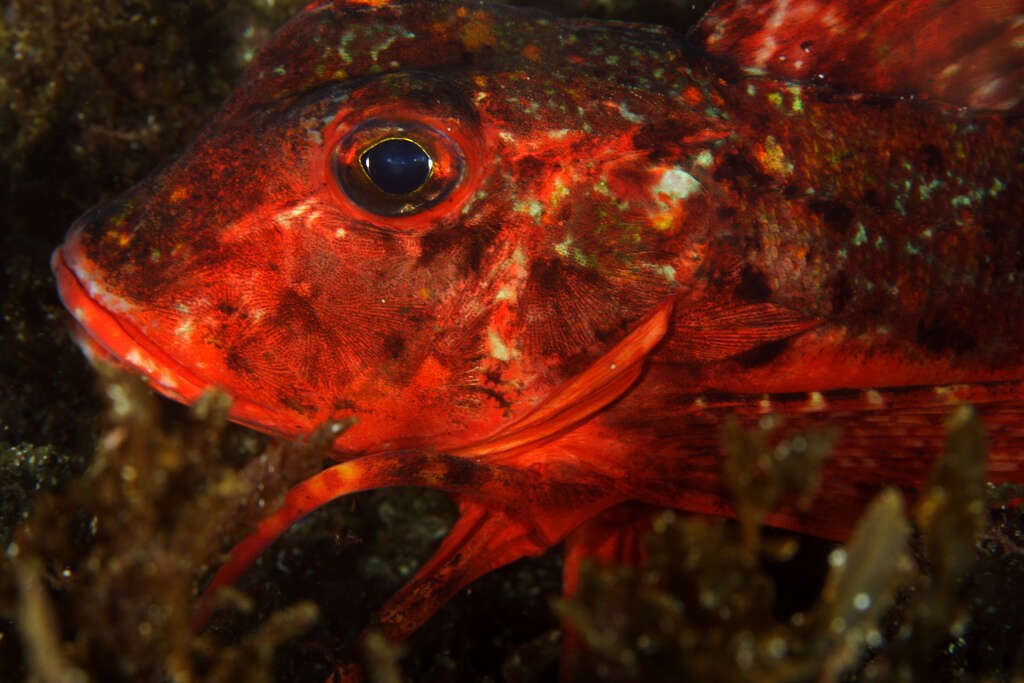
(397, 165)
(396, 168)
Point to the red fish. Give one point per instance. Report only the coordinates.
(541, 260)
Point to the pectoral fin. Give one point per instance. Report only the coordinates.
(584, 395)
(706, 332)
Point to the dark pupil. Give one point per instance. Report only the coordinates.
(397, 166)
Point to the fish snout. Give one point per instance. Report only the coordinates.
(71, 251)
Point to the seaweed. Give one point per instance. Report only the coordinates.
(900, 598)
(122, 547)
(101, 577)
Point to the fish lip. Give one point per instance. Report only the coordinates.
(102, 336)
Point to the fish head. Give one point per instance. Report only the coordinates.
(423, 215)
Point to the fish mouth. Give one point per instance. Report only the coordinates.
(103, 336)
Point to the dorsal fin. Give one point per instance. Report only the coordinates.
(963, 52)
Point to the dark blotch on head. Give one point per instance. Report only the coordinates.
(753, 286)
(530, 167)
(296, 314)
(835, 214)
(726, 213)
(763, 354)
(740, 168)
(871, 200)
(652, 139)
(546, 278)
(998, 229)
(931, 159)
(237, 361)
(459, 244)
(394, 345)
(495, 395)
(227, 308)
(939, 336)
(840, 292)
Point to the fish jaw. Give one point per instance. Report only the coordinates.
(106, 337)
(103, 338)
(167, 346)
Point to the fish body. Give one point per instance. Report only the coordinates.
(621, 239)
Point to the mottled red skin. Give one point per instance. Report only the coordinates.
(959, 51)
(865, 249)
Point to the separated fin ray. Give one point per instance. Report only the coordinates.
(482, 540)
(547, 508)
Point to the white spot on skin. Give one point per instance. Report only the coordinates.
(874, 398)
(140, 360)
(499, 350)
(375, 52)
(531, 207)
(184, 330)
(862, 235)
(668, 272)
(135, 358)
(677, 184)
(302, 213)
(346, 38)
(988, 89)
(765, 52)
(562, 248)
(625, 113)
(816, 401)
(947, 394)
(704, 159)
